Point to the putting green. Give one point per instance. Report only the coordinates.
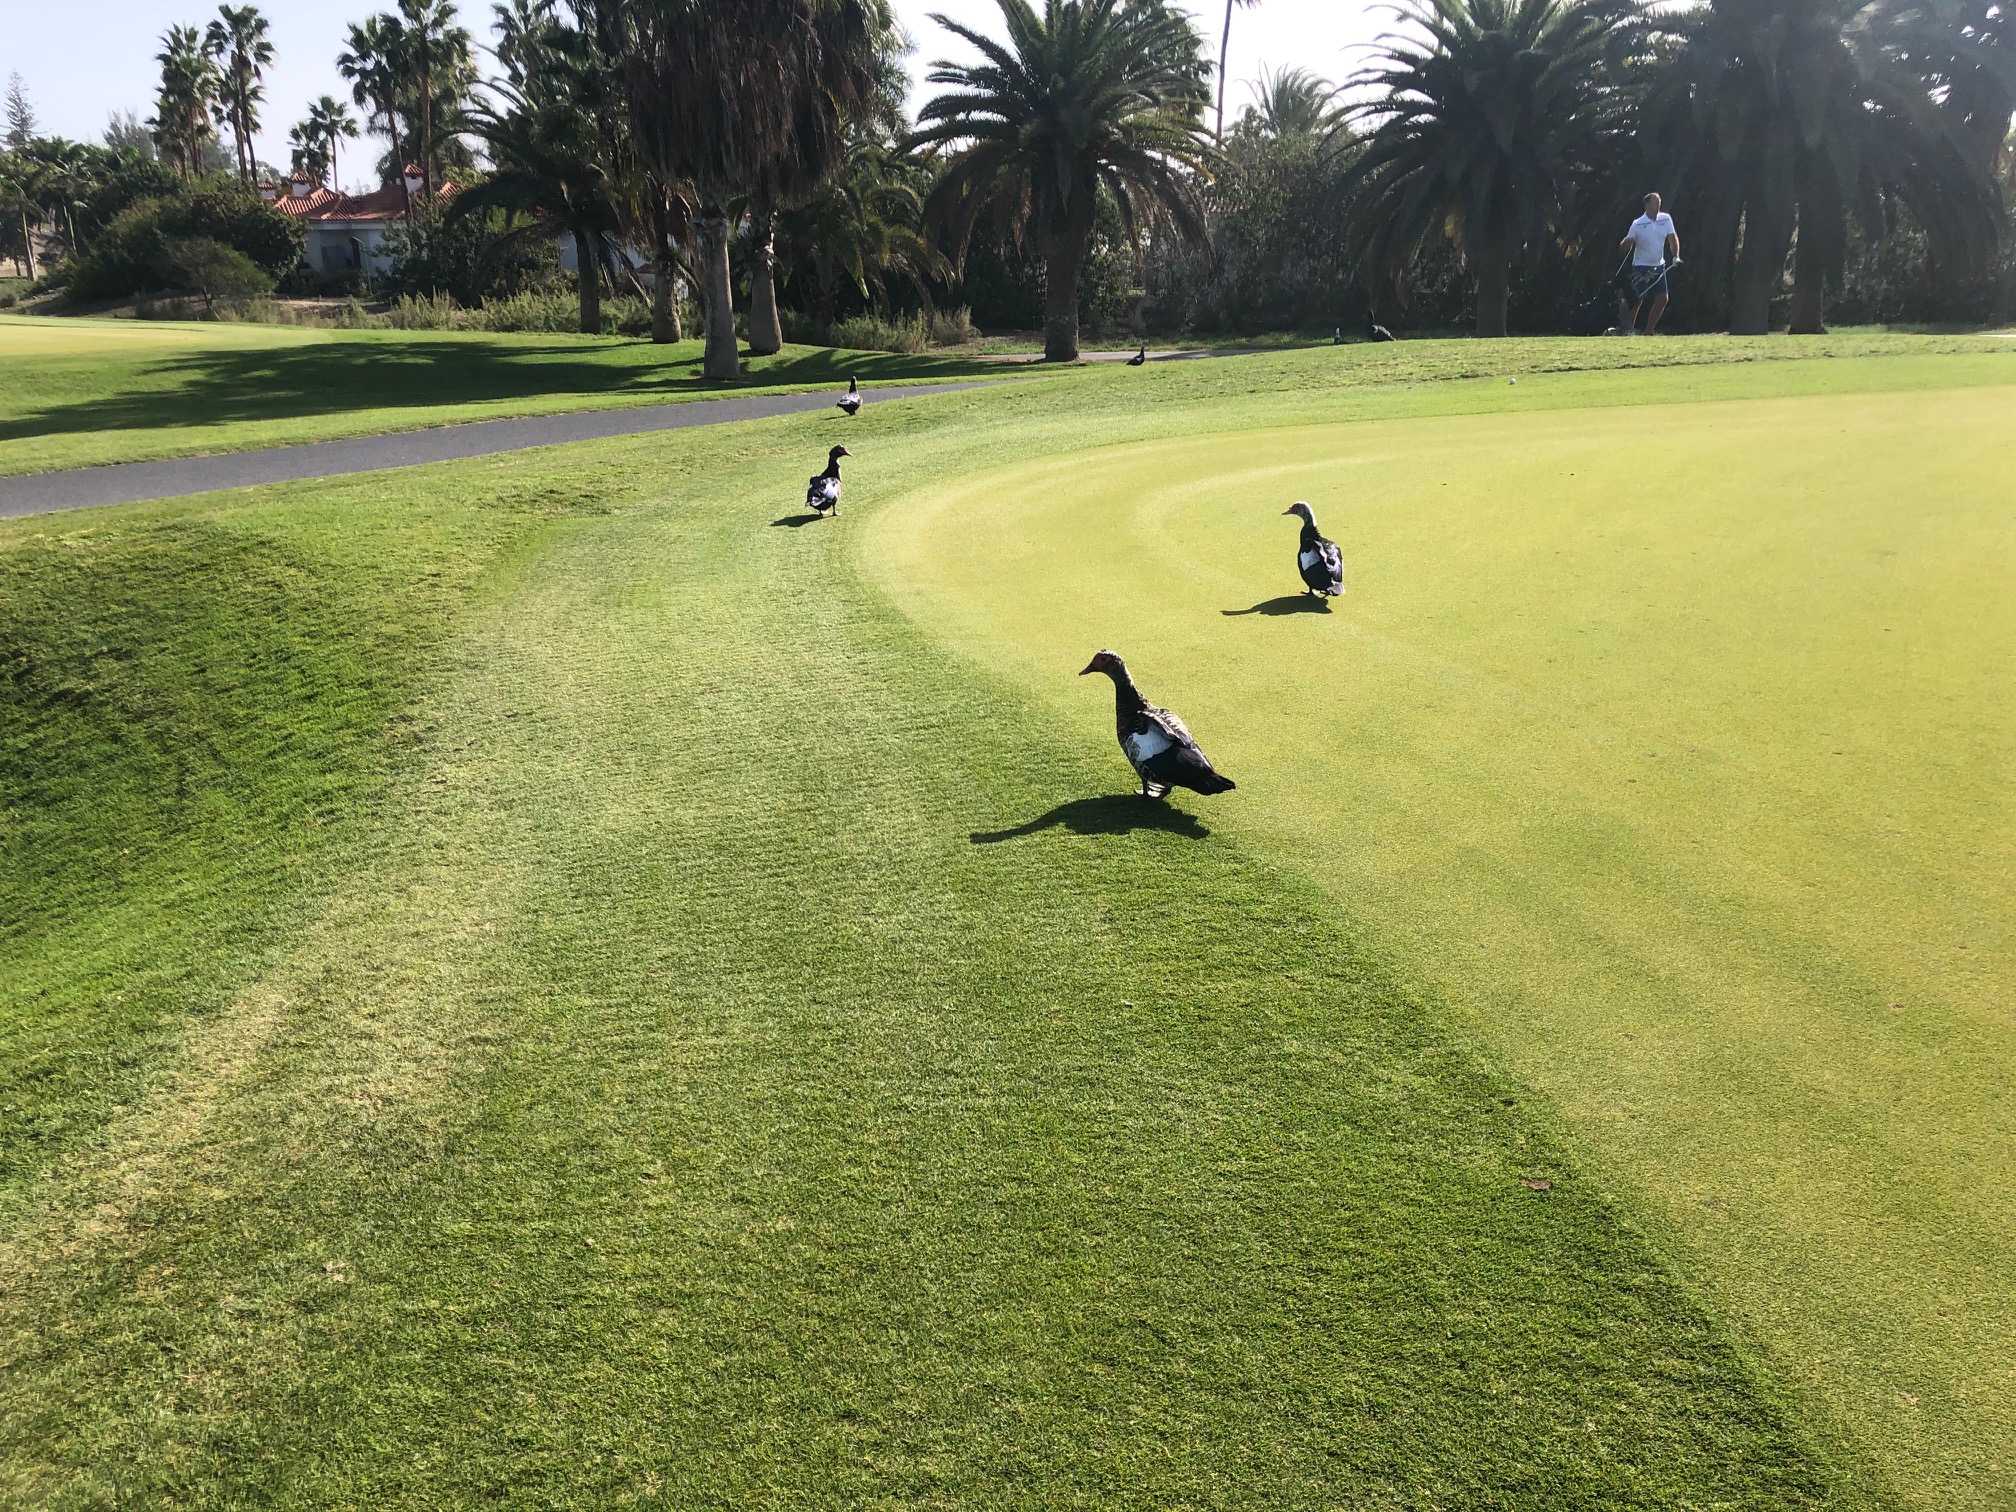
(1671, 740)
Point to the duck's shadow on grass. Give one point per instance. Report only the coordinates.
(1112, 814)
(795, 522)
(1288, 603)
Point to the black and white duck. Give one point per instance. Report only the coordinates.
(823, 494)
(850, 401)
(1139, 357)
(1376, 331)
(1162, 752)
(1317, 557)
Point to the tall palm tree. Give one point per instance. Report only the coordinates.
(851, 44)
(307, 154)
(1483, 118)
(436, 58)
(1225, 54)
(329, 121)
(548, 166)
(720, 93)
(1091, 97)
(1789, 115)
(372, 60)
(237, 41)
(188, 88)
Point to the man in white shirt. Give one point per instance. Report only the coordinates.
(1654, 246)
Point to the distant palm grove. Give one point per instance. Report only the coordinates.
(752, 165)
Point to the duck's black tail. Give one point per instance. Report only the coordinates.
(1211, 782)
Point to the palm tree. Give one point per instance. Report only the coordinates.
(371, 61)
(1790, 115)
(853, 44)
(1092, 97)
(548, 167)
(307, 155)
(723, 92)
(237, 40)
(328, 121)
(864, 229)
(1481, 124)
(21, 201)
(188, 88)
(1224, 55)
(1293, 102)
(436, 58)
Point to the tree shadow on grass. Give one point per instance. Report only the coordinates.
(1288, 603)
(388, 370)
(1111, 814)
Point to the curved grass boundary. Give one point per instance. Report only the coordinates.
(747, 1061)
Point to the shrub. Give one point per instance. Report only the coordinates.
(953, 327)
(131, 255)
(216, 272)
(437, 253)
(871, 333)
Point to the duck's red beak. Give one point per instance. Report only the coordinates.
(1094, 667)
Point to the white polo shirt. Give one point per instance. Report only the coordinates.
(1648, 236)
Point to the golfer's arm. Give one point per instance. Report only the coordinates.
(1672, 246)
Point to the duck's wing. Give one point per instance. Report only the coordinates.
(1163, 749)
(1332, 559)
(823, 491)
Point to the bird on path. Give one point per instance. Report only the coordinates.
(822, 496)
(1376, 331)
(1162, 752)
(1317, 557)
(1139, 357)
(851, 400)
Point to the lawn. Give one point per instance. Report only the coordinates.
(78, 392)
(542, 982)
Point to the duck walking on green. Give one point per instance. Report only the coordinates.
(1161, 750)
(1317, 557)
(850, 402)
(822, 496)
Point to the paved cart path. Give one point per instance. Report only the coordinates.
(130, 482)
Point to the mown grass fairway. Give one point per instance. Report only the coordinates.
(647, 1004)
(1675, 739)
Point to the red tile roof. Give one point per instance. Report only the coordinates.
(325, 204)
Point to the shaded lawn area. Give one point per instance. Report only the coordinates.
(76, 393)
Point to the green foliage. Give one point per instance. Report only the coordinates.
(470, 256)
(130, 256)
(215, 272)
(1091, 103)
(128, 179)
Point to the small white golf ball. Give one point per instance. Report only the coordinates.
(1513, 381)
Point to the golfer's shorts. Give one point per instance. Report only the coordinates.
(1647, 281)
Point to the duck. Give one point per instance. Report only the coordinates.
(1375, 330)
(1317, 558)
(1139, 357)
(1157, 745)
(1337, 337)
(850, 401)
(822, 496)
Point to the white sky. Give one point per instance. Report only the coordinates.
(83, 59)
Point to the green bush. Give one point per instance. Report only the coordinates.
(216, 272)
(871, 333)
(131, 255)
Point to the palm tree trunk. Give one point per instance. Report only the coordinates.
(1767, 235)
(766, 330)
(1809, 287)
(588, 279)
(28, 242)
(664, 307)
(1494, 287)
(1224, 53)
(717, 292)
(1061, 269)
